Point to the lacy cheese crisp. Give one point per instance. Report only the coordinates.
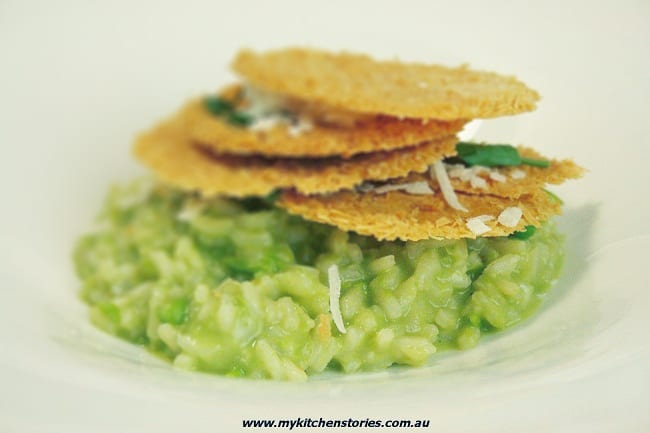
(321, 215)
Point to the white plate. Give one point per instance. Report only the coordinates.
(79, 79)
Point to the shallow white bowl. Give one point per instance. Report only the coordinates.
(79, 80)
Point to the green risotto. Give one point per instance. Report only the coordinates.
(240, 288)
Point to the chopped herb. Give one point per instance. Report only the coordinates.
(526, 233)
(454, 160)
(494, 155)
(273, 196)
(217, 105)
(255, 204)
(221, 107)
(488, 156)
(543, 163)
(239, 118)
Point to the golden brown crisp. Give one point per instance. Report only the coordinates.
(178, 161)
(369, 134)
(359, 83)
(397, 215)
(512, 187)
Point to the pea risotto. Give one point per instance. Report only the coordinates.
(241, 288)
(301, 222)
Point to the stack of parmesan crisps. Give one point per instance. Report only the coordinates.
(358, 144)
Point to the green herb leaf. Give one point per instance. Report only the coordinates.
(217, 105)
(494, 155)
(543, 163)
(488, 156)
(221, 107)
(526, 233)
(273, 196)
(238, 118)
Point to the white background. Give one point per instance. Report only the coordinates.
(79, 78)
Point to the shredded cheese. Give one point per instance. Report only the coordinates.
(334, 282)
(268, 111)
(266, 123)
(477, 224)
(473, 174)
(420, 187)
(478, 182)
(517, 174)
(440, 172)
(497, 177)
(302, 125)
(510, 216)
(456, 171)
(416, 188)
(261, 103)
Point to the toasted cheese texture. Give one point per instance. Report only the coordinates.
(397, 215)
(172, 155)
(371, 134)
(521, 179)
(510, 182)
(359, 83)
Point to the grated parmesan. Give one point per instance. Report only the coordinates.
(334, 282)
(420, 187)
(477, 224)
(302, 125)
(517, 174)
(440, 172)
(455, 171)
(510, 216)
(478, 182)
(497, 177)
(266, 123)
(262, 103)
(416, 188)
(472, 174)
(268, 110)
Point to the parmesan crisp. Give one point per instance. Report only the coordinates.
(398, 215)
(369, 134)
(359, 83)
(171, 154)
